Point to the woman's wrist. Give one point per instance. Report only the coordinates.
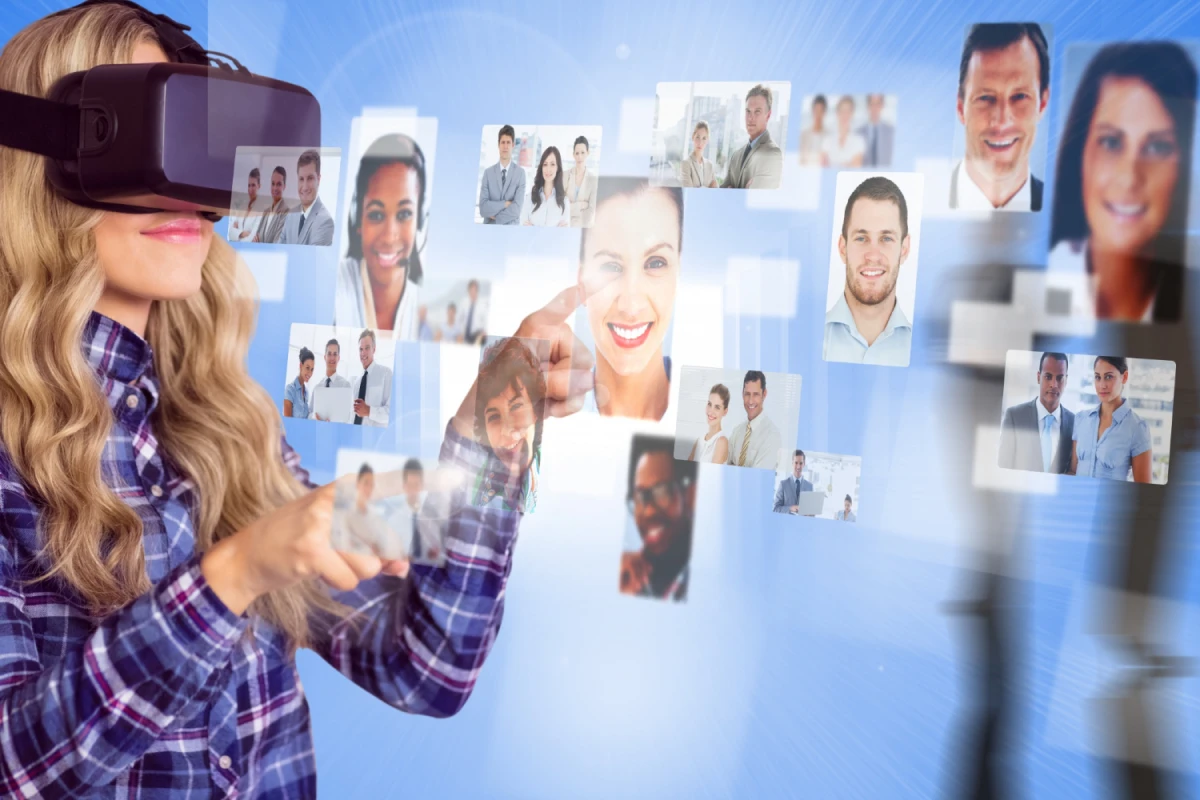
(224, 569)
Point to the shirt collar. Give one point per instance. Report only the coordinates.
(971, 197)
(1043, 413)
(841, 313)
(754, 141)
(119, 356)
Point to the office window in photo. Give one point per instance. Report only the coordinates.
(822, 485)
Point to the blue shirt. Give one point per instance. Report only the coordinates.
(300, 398)
(1111, 456)
(843, 342)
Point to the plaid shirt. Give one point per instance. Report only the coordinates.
(172, 696)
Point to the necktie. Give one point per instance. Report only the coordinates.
(470, 316)
(745, 444)
(874, 147)
(1047, 424)
(303, 219)
(746, 154)
(503, 178)
(327, 380)
(362, 395)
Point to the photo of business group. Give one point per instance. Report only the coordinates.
(538, 175)
(510, 410)
(629, 266)
(740, 418)
(726, 135)
(873, 268)
(1099, 416)
(381, 508)
(322, 386)
(1118, 231)
(847, 131)
(1003, 93)
(279, 196)
(454, 311)
(382, 246)
(823, 485)
(661, 497)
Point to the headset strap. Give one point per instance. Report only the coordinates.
(39, 126)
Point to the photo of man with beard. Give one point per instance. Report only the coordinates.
(866, 324)
(662, 504)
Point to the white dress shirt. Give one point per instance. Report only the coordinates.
(1055, 430)
(317, 384)
(379, 394)
(840, 154)
(548, 214)
(351, 307)
(971, 197)
(765, 443)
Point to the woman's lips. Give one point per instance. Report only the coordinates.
(630, 336)
(1126, 212)
(388, 260)
(185, 230)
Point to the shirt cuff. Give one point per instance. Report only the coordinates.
(204, 625)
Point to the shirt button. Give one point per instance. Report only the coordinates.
(156, 490)
(225, 761)
(131, 401)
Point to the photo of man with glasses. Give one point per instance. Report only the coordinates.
(662, 504)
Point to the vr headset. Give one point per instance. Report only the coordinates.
(140, 138)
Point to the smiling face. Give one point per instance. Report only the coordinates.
(663, 527)
(845, 115)
(414, 484)
(818, 112)
(389, 223)
(700, 140)
(1108, 381)
(630, 270)
(366, 351)
(1130, 166)
(157, 256)
(511, 423)
(252, 188)
(581, 154)
(1052, 379)
(875, 108)
(846, 505)
(307, 183)
(278, 182)
(757, 116)
(753, 397)
(798, 466)
(874, 250)
(1000, 108)
(549, 169)
(715, 409)
(306, 370)
(333, 355)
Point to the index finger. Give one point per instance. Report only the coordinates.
(564, 304)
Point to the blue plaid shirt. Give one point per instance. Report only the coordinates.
(171, 696)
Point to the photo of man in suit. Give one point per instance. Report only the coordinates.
(758, 165)
(311, 223)
(878, 135)
(787, 496)
(1003, 89)
(757, 442)
(1036, 436)
(502, 188)
(270, 225)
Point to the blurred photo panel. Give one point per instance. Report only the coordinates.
(846, 131)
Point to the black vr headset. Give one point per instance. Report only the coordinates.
(140, 138)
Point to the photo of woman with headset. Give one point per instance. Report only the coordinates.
(162, 553)
(379, 280)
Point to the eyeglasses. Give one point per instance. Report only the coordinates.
(662, 495)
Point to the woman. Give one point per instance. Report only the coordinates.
(297, 402)
(812, 141)
(1121, 188)
(696, 171)
(713, 446)
(1111, 438)
(379, 280)
(161, 554)
(629, 268)
(244, 221)
(845, 148)
(549, 206)
(509, 411)
(581, 187)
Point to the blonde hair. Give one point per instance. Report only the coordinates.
(699, 125)
(54, 419)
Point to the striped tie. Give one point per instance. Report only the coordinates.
(745, 444)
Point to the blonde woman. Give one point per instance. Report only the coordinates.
(161, 554)
(696, 170)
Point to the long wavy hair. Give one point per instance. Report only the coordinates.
(539, 180)
(54, 419)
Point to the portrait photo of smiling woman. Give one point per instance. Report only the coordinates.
(629, 263)
(382, 271)
(1121, 189)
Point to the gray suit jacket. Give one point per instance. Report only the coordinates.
(1021, 441)
(492, 196)
(883, 147)
(318, 230)
(788, 493)
(762, 169)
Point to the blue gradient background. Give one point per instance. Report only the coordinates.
(809, 661)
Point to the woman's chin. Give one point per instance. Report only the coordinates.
(629, 362)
